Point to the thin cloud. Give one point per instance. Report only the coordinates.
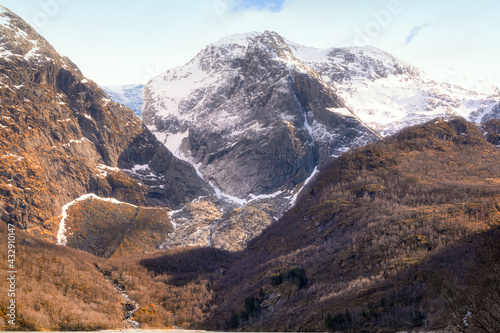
(413, 34)
(270, 5)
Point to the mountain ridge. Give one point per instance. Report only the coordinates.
(374, 236)
(247, 92)
(398, 234)
(60, 130)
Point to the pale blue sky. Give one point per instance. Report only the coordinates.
(121, 42)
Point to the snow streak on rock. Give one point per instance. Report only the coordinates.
(61, 234)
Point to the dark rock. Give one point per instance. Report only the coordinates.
(280, 124)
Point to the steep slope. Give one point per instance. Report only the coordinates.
(61, 137)
(254, 89)
(390, 94)
(387, 238)
(250, 116)
(129, 95)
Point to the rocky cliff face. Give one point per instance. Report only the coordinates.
(251, 116)
(62, 137)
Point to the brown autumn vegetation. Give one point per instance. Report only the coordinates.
(57, 288)
(108, 229)
(371, 233)
(174, 287)
(402, 234)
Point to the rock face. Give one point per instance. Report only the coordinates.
(250, 115)
(256, 114)
(493, 114)
(62, 137)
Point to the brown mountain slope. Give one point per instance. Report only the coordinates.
(63, 289)
(368, 247)
(62, 137)
(401, 234)
(57, 288)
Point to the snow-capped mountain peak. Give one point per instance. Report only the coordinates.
(240, 96)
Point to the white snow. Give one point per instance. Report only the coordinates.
(173, 141)
(61, 233)
(4, 20)
(238, 39)
(308, 126)
(221, 195)
(388, 93)
(341, 111)
(102, 170)
(178, 83)
(378, 89)
(10, 155)
(5, 53)
(137, 168)
(253, 197)
(33, 53)
(293, 198)
(82, 140)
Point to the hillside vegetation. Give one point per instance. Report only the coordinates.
(389, 237)
(402, 234)
(57, 288)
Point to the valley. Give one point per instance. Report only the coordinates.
(267, 186)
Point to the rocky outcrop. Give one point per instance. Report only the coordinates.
(221, 224)
(493, 114)
(62, 137)
(109, 228)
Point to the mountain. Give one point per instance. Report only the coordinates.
(250, 116)
(389, 94)
(62, 139)
(390, 237)
(224, 110)
(129, 95)
(398, 234)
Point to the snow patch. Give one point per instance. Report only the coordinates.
(253, 197)
(33, 53)
(5, 20)
(10, 155)
(82, 140)
(293, 199)
(137, 168)
(102, 170)
(341, 111)
(173, 141)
